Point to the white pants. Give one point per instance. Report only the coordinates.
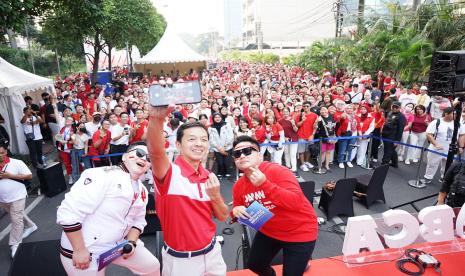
(210, 264)
(276, 155)
(403, 149)
(54, 129)
(362, 151)
(416, 139)
(290, 156)
(142, 262)
(432, 164)
(18, 218)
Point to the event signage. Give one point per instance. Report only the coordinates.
(437, 225)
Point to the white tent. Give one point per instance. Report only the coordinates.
(170, 54)
(15, 83)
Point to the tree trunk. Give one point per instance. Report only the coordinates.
(12, 39)
(360, 15)
(109, 57)
(130, 58)
(415, 5)
(97, 50)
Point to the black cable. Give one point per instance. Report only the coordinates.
(400, 264)
(238, 252)
(228, 231)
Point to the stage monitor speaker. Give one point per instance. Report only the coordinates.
(52, 180)
(447, 73)
(37, 258)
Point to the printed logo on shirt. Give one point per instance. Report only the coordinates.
(87, 181)
(249, 198)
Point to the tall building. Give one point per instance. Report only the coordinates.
(232, 23)
(286, 24)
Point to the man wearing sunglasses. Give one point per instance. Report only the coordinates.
(293, 227)
(186, 197)
(106, 206)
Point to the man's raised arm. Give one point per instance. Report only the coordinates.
(156, 141)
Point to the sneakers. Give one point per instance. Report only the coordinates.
(70, 181)
(427, 181)
(341, 165)
(309, 165)
(349, 164)
(407, 162)
(13, 250)
(374, 160)
(415, 160)
(29, 231)
(401, 159)
(304, 168)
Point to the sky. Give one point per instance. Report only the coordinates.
(192, 16)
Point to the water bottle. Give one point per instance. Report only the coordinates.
(44, 160)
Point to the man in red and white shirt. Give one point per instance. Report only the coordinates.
(293, 227)
(187, 196)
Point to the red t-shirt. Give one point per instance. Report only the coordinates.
(89, 104)
(306, 129)
(260, 134)
(294, 218)
(139, 131)
(274, 131)
(101, 148)
(289, 130)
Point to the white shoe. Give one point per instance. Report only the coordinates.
(374, 160)
(309, 165)
(401, 159)
(29, 231)
(407, 162)
(70, 181)
(415, 160)
(13, 250)
(304, 168)
(341, 165)
(349, 164)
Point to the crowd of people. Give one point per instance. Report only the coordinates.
(284, 108)
(248, 113)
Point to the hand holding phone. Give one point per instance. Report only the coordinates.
(177, 93)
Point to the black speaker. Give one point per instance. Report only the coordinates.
(37, 258)
(447, 73)
(52, 180)
(153, 222)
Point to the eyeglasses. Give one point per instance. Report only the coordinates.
(246, 151)
(141, 153)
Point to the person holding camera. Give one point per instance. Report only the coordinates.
(13, 196)
(31, 125)
(120, 135)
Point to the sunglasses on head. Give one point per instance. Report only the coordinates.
(246, 151)
(141, 153)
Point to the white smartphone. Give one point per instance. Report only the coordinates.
(177, 93)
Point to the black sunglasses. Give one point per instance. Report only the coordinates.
(246, 151)
(141, 153)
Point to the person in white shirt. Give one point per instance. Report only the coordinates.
(439, 134)
(93, 126)
(407, 97)
(106, 207)
(13, 196)
(80, 140)
(31, 126)
(120, 135)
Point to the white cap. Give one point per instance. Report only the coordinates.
(423, 88)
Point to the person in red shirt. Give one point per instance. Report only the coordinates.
(101, 144)
(274, 132)
(90, 105)
(293, 227)
(139, 127)
(305, 121)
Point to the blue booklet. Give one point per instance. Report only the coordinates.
(109, 256)
(259, 215)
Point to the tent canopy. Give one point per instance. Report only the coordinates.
(171, 53)
(15, 83)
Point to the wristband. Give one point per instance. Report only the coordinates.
(134, 243)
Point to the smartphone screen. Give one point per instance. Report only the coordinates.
(177, 93)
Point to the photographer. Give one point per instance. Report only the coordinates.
(120, 135)
(31, 126)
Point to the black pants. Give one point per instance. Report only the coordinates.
(35, 151)
(102, 162)
(390, 154)
(115, 160)
(295, 255)
(224, 163)
(375, 143)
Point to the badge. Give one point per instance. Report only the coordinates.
(87, 181)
